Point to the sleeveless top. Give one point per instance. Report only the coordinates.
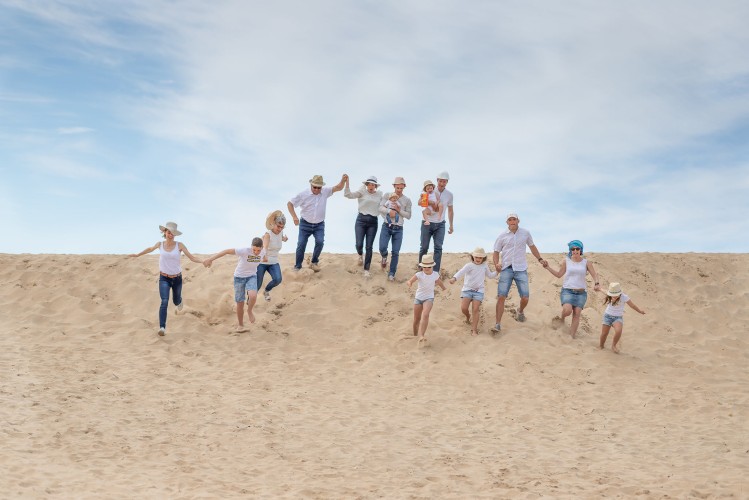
(274, 246)
(169, 261)
(575, 275)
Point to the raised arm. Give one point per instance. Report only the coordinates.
(339, 186)
(189, 255)
(145, 250)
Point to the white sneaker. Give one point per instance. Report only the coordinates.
(266, 294)
(179, 307)
(391, 277)
(361, 260)
(367, 275)
(162, 332)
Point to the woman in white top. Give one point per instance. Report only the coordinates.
(272, 241)
(366, 221)
(472, 294)
(170, 270)
(574, 287)
(424, 298)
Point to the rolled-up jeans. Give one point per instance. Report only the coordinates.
(307, 229)
(165, 284)
(434, 230)
(365, 227)
(388, 232)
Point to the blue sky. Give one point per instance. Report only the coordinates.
(622, 124)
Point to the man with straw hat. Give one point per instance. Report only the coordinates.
(312, 203)
(393, 229)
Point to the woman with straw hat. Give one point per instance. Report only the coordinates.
(273, 239)
(170, 270)
(424, 298)
(472, 294)
(574, 292)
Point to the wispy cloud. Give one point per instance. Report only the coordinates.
(74, 130)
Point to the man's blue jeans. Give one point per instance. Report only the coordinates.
(275, 274)
(306, 230)
(396, 233)
(165, 284)
(436, 231)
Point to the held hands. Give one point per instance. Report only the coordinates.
(452, 281)
(344, 178)
(284, 238)
(207, 262)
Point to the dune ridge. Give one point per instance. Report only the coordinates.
(322, 399)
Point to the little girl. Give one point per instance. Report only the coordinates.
(473, 286)
(245, 277)
(430, 202)
(424, 298)
(612, 316)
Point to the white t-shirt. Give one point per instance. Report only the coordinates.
(169, 261)
(312, 205)
(247, 262)
(512, 247)
(426, 282)
(618, 309)
(575, 276)
(475, 274)
(446, 198)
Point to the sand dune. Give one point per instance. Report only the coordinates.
(321, 398)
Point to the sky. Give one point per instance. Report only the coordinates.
(621, 124)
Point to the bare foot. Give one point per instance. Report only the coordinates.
(251, 316)
(615, 348)
(422, 341)
(468, 319)
(240, 329)
(474, 333)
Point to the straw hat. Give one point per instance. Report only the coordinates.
(615, 290)
(427, 261)
(172, 227)
(270, 221)
(399, 180)
(316, 181)
(443, 175)
(428, 183)
(371, 179)
(478, 252)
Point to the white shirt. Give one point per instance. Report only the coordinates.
(405, 211)
(312, 205)
(369, 203)
(169, 261)
(274, 246)
(474, 276)
(512, 247)
(426, 282)
(247, 262)
(618, 309)
(575, 276)
(446, 198)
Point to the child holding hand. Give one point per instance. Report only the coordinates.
(424, 298)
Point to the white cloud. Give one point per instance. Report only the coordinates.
(74, 130)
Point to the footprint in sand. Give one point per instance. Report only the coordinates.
(557, 323)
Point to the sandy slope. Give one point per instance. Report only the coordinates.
(321, 399)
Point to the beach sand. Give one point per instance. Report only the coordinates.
(321, 397)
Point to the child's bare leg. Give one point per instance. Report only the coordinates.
(576, 312)
(240, 313)
(251, 299)
(425, 318)
(618, 327)
(604, 334)
(465, 302)
(426, 213)
(475, 305)
(417, 317)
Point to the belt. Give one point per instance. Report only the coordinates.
(576, 290)
(170, 275)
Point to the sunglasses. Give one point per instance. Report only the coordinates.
(316, 187)
(574, 249)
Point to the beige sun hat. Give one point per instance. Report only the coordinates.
(399, 180)
(172, 227)
(427, 183)
(478, 252)
(317, 181)
(371, 179)
(615, 290)
(270, 221)
(427, 261)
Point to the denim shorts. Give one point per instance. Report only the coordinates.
(573, 298)
(472, 294)
(418, 302)
(610, 320)
(244, 285)
(506, 278)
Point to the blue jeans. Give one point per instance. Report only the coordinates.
(306, 230)
(396, 233)
(436, 231)
(175, 284)
(365, 227)
(275, 274)
(507, 276)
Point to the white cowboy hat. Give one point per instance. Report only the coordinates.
(371, 179)
(615, 290)
(171, 227)
(478, 252)
(443, 175)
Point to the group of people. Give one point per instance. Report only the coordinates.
(394, 208)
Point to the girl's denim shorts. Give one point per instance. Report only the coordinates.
(610, 320)
(472, 294)
(418, 302)
(574, 298)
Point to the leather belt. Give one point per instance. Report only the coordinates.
(170, 275)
